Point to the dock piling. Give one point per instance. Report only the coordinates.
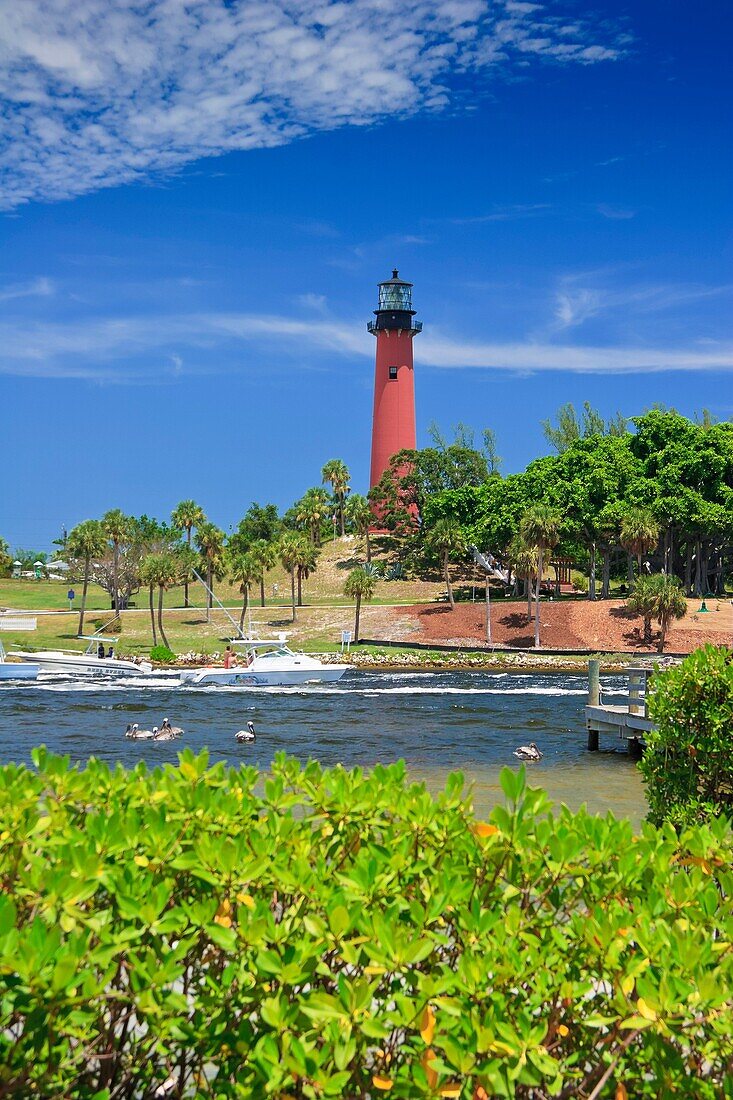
(594, 698)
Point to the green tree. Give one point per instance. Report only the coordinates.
(86, 541)
(539, 528)
(360, 585)
(210, 542)
(643, 601)
(570, 427)
(311, 510)
(523, 560)
(307, 559)
(187, 515)
(449, 541)
(149, 568)
(162, 570)
(687, 764)
(671, 605)
(260, 523)
(244, 569)
(336, 473)
(639, 533)
(290, 552)
(265, 554)
(493, 460)
(361, 517)
(117, 528)
(6, 561)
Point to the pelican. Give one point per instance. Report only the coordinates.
(246, 735)
(176, 731)
(164, 734)
(529, 752)
(136, 734)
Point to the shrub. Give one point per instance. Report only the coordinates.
(162, 654)
(195, 931)
(688, 763)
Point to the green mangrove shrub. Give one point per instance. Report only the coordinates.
(162, 654)
(198, 931)
(688, 763)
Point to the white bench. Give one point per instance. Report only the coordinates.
(15, 622)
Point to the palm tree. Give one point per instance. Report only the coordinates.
(185, 516)
(290, 552)
(643, 601)
(360, 514)
(311, 511)
(117, 527)
(360, 585)
(448, 539)
(639, 533)
(539, 528)
(87, 540)
(308, 556)
(149, 577)
(247, 569)
(337, 474)
(523, 560)
(210, 541)
(266, 555)
(671, 604)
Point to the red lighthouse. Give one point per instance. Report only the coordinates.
(393, 425)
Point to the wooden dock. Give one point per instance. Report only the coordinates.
(625, 720)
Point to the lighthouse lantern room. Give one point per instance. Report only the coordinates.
(393, 424)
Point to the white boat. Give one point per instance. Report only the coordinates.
(89, 663)
(16, 670)
(270, 663)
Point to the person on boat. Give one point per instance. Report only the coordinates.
(230, 660)
(110, 652)
(100, 651)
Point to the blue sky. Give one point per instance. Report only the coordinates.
(196, 204)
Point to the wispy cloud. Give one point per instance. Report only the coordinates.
(615, 213)
(510, 213)
(101, 92)
(157, 347)
(576, 300)
(38, 288)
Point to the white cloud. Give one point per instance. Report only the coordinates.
(615, 213)
(39, 288)
(576, 303)
(102, 92)
(123, 350)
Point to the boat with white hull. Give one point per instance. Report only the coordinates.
(70, 662)
(270, 663)
(16, 670)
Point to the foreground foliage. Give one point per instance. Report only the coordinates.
(190, 931)
(688, 763)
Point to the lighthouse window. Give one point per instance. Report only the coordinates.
(393, 372)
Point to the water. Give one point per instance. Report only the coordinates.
(436, 721)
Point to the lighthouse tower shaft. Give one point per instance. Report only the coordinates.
(393, 423)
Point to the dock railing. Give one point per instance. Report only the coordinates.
(625, 716)
(636, 694)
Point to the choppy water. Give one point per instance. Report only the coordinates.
(437, 722)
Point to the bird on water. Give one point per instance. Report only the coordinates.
(136, 734)
(170, 731)
(246, 735)
(529, 752)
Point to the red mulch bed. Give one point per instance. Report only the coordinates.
(605, 625)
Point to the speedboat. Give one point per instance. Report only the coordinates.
(16, 670)
(89, 663)
(270, 663)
